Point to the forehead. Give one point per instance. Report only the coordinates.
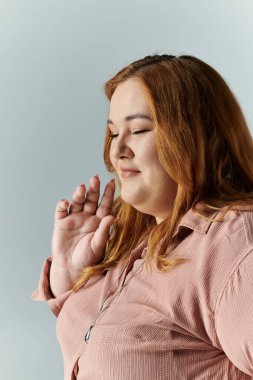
(129, 96)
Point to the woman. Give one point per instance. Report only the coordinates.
(182, 155)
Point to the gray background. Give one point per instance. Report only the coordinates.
(55, 56)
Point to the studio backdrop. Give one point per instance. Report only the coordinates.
(55, 56)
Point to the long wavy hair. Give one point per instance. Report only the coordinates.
(203, 143)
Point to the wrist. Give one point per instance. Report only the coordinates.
(67, 270)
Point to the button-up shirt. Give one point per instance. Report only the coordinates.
(194, 321)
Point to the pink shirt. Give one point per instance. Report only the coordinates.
(192, 322)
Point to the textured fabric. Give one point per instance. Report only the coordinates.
(193, 322)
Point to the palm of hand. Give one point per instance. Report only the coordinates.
(80, 234)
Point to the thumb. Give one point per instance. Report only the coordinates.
(102, 234)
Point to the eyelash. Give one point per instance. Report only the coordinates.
(136, 132)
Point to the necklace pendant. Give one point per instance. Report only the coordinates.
(87, 335)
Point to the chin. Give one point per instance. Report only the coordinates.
(131, 199)
(135, 200)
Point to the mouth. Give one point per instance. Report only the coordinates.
(129, 173)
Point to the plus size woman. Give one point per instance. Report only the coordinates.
(157, 283)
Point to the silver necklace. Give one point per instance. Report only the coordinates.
(101, 310)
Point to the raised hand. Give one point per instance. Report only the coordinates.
(81, 229)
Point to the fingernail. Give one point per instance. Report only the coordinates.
(97, 175)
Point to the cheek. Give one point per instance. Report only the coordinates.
(147, 152)
(154, 171)
(152, 163)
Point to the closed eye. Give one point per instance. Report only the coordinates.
(134, 133)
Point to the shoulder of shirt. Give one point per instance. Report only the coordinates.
(238, 218)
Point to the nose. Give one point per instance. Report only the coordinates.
(120, 148)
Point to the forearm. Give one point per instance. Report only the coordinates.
(61, 280)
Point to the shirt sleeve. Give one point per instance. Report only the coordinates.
(44, 293)
(234, 316)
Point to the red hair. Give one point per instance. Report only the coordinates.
(203, 143)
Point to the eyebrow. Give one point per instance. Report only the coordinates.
(131, 117)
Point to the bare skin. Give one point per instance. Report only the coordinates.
(80, 233)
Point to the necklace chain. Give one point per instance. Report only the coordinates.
(101, 310)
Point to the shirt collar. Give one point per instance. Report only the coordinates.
(195, 222)
(198, 223)
(192, 221)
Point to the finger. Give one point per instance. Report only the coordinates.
(92, 196)
(101, 235)
(78, 199)
(106, 204)
(61, 210)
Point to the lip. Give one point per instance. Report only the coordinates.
(129, 173)
(128, 169)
